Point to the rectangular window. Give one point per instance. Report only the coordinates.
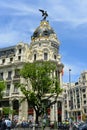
(78, 106)
(8, 87)
(19, 57)
(11, 59)
(17, 73)
(84, 95)
(1, 76)
(56, 73)
(9, 74)
(54, 56)
(84, 101)
(15, 87)
(45, 56)
(8, 90)
(84, 110)
(83, 90)
(3, 61)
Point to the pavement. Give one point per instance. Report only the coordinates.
(46, 128)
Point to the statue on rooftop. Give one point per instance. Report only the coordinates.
(44, 14)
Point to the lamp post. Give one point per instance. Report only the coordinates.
(70, 78)
(71, 100)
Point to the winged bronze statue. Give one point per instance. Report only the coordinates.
(44, 14)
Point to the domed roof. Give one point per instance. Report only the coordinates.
(43, 30)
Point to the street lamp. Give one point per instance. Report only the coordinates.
(71, 99)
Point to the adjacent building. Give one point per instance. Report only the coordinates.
(76, 98)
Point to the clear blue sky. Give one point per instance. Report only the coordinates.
(19, 18)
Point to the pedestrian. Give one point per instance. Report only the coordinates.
(0, 122)
(3, 124)
(8, 124)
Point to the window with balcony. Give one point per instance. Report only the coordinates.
(8, 90)
(9, 75)
(17, 74)
(15, 88)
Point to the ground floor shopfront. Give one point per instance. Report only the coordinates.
(23, 112)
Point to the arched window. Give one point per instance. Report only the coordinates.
(45, 56)
(35, 56)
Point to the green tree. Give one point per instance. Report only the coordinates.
(8, 110)
(2, 88)
(43, 82)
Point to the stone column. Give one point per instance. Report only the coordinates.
(52, 114)
(23, 111)
(55, 112)
(11, 107)
(62, 110)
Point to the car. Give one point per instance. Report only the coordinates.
(83, 127)
(77, 125)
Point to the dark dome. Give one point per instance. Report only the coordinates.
(43, 30)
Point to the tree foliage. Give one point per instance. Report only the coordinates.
(7, 110)
(2, 87)
(43, 81)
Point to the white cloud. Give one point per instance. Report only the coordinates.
(73, 12)
(17, 8)
(8, 38)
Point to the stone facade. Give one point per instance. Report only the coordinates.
(75, 98)
(44, 46)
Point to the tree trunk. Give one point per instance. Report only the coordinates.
(37, 116)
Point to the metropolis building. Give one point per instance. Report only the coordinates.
(44, 46)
